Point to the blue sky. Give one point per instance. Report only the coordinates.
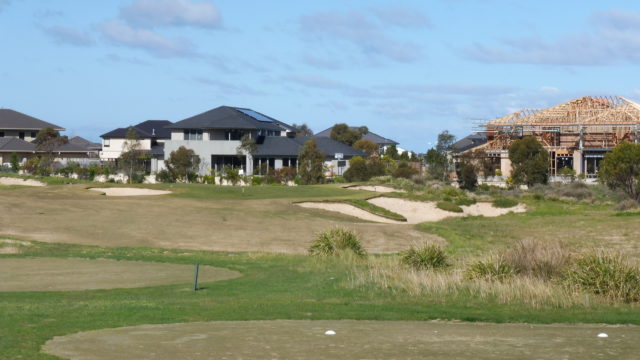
(405, 69)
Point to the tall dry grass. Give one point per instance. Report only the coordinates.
(392, 275)
(541, 259)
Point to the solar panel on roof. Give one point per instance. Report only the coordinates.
(255, 115)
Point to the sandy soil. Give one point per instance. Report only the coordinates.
(417, 212)
(287, 339)
(380, 189)
(22, 182)
(54, 274)
(121, 191)
(348, 210)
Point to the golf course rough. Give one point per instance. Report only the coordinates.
(304, 339)
(68, 274)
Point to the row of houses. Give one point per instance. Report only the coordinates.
(215, 136)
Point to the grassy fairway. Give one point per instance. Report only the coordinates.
(272, 287)
(194, 216)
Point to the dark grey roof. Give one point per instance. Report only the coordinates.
(89, 145)
(469, 142)
(11, 119)
(15, 145)
(71, 148)
(226, 117)
(146, 130)
(373, 137)
(285, 146)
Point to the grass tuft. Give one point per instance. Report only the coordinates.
(541, 259)
(336, 240)
(428, 256)
(503, 202)
(494, 269)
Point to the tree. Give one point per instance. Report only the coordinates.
(344, 134)
(366, 146)
(620, 169)
(248, 146)
(530, 161)
(438, 159)
(183, 163)
(46, 141)
(392, 151)
(303, 129)
(131, 159)
(15, 162)
(467, 178)
(310, 161)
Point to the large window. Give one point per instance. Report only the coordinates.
(193, 134)
(107, 142)
(233, 134)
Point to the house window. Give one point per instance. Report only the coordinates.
(107, 142)
(193, 134)
(1, 133)
(21, 135)
(33, 134)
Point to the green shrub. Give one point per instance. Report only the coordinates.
(465, 201)
(256, 180)
(605, 274)
(428, 256)
(336, 240)
(165, 176)
(495, 269)
(449, 206)
(503, 202)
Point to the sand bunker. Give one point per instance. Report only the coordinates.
(417, 211)
(414, 211)
(286, 339)
(380, 189)
(21, 182)
(348, 210)
(122, 191)
(53, 274)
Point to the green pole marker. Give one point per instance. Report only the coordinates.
(196, 270)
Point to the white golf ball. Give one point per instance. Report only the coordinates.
(603, 335)
(329, 332)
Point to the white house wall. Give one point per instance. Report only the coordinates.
(116, 146)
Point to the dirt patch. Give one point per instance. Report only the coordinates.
(380, 189)
(9, 250)
(118, 191)
(21, 182)
(348, 210)
(417, 211)
(53, 274)
(284, 339)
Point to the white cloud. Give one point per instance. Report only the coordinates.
(614, 38)
(151, 13)
(70, 36)
(121, 33)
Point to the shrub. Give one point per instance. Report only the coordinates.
(467, 178)
(256, 180)
(232, 175)
(495, 269)
(404, 171)
(335, 240)
(165, 176)
(626, 205)
(449, 206)
(357, 170)
(536, 258)
(605, 274)
(428, 256)
(465, 201)
(503, 202)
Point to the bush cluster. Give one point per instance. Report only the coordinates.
(494, 269)
(333, 241)
(428, 256)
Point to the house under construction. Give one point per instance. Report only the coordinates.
(576, 134)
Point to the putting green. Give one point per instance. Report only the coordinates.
(55, 274)
(286, 339)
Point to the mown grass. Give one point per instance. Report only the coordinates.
(375, 209)
(272, 287)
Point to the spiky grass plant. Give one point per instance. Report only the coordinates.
(335, 240)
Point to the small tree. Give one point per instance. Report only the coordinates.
(310, 161)
(438, 160)
(357, 170)
(620, 169)
(392, 152)
(46, 141)
(530, 161)
(15, 162)
(132, 158)
(366, 146)
(467, 178)
(303, 129)
(183, 163)
(345, 135)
